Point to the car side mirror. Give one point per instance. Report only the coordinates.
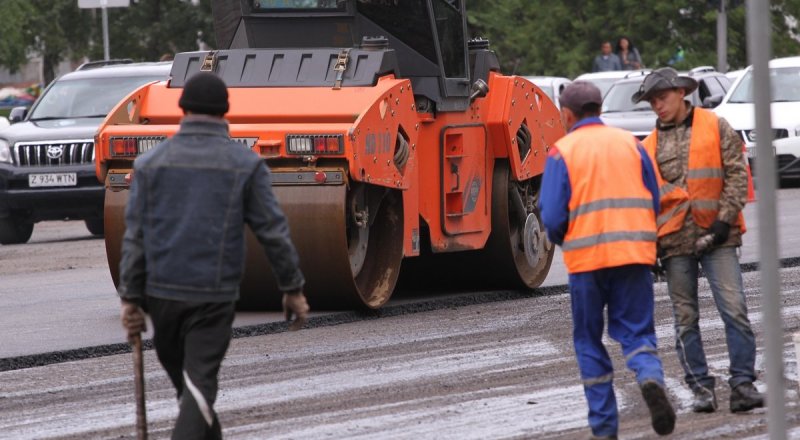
(712, 101)
(17, 114)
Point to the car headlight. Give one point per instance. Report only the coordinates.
(5, 152)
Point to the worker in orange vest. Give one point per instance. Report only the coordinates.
(599, 202)
(703, 181)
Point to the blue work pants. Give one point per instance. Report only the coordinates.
(627, 292)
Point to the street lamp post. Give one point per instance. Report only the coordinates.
(104, 5)
(722, 38)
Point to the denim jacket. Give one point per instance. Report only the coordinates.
(189, 200)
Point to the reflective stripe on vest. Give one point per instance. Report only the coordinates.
(611, 217)
(704, 180)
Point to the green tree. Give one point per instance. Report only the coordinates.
(150, 28)
(562, 37)
(57, 30)
(13, 49)
(53, 29)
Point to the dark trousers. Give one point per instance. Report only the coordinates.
(191, 340)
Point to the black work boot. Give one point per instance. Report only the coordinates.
(662, 415)
(746, 397)
(705, 400)
(603, 437)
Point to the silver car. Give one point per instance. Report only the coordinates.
(639, 119)
(552, 86)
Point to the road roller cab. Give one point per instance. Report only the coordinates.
(391, 139)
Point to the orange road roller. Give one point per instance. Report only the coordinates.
(394, 143)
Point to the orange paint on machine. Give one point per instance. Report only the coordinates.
(385, 151)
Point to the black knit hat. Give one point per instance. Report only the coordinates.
(205, 93)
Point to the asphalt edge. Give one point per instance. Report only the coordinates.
(335, 318)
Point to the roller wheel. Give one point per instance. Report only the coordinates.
(15, 231)
(518, 244)
(517, 254)
(376, 250)
(95, 226)
(350, 243)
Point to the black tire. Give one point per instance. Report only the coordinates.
(95, 226)
(15, 231)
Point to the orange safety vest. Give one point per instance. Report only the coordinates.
(704, 181)
(611, 217)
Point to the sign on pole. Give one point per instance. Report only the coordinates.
(88, 4)
(104, 4)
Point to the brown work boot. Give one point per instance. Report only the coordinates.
(705, 400)
(662, 416)
(746, 397)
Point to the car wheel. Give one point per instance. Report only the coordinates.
(15, 231)
(95, 226)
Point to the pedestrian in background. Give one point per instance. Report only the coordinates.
(703, 184)
(606, 60)
(628, 54)
(183, 249)
(605, 222)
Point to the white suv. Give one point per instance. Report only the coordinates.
(739, 110)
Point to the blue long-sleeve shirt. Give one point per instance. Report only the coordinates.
(557, 191)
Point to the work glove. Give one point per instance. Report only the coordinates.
(659, 273)
(295, 304)
(721, 230)
(132, 317)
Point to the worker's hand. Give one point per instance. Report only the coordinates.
(721, 230)
(132, 317)
(295, 304)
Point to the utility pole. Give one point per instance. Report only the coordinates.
(759, 50)
(106, 49)
(722, 37)
(104, 5)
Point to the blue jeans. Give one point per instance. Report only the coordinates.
(627, 291)
(721, 266)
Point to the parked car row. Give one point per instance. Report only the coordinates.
(619, 111)
(729, 95)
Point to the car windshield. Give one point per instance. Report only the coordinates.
(602, 83)
(618, 98)
(86, 97)
(785, 84)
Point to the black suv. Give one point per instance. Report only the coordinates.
(47, 169)
(640, 119)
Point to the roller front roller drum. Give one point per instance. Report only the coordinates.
(348, 262)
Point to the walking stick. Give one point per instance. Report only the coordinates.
(138, 377)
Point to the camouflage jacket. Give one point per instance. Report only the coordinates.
(672, 157)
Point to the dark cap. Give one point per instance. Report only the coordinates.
(578, 94)
(665, 78)
(205, 93)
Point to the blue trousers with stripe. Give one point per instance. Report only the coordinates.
(627, 293)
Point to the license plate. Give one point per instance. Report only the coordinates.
(52, 179)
